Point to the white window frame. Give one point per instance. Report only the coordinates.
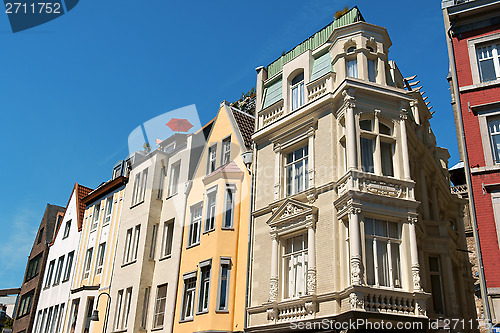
(101, 255)
(372, 69)
(290, 180)
(211, 210)
(50, 271)
(140, 184)
(196, 218)
(88, 262)
(226, 151)
(67, 228)
(188, 295)
(132, 239)
(145, 308)
(212, 158)
(494, 49)
(108, 210)
(230, 190)
(472, 45)
(220, 295)
(59, 269)
(159, 309)
(374, 135)
(69, 264)
(161, 181)
(173, 187)
(297, 97)
(95, 216)
(292, 261)
(167, 239)
(204, 286)
(154, 236)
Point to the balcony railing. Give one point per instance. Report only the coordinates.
(459, 189)
(355, 180)
(314, 90)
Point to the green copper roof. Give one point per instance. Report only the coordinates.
(313, 42)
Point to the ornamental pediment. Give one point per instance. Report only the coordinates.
(291, 210)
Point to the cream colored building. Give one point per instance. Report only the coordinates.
(353, 214)
(149, 240)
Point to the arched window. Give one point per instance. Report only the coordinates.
(297, 91)
(351, 49)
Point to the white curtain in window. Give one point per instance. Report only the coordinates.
(352, 68)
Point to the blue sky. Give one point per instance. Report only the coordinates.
(73, 89)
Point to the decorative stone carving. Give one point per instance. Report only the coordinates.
(310, 307)
(291, 210)
(272, 314)
(311, 281)
(311, 198)
(412, 219)
(416, 278)
(356, 302)
(273, 289)
(382, 188)
(354, 210)
(355, 271)
(420, 307)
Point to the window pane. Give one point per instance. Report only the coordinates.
(386, 156)
(383, 129)
(352, 68)
(437, 294)
(367, 154)
(383, 264)
(370, 275)
(365, 124)
(372, 70)
(396, 265)
(487, 69)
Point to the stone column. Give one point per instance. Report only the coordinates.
(277, 168)
(377, 158)
(355, 246)
(362, 66)
(449, 285)
(423, 189)
(273, 288)
(404, 147)
(311, 257)
(381, 71)
(351, 144)
(415, 265)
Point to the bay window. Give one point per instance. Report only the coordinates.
(296, 168)
(382, 253)
(295, 266)
(376, 145)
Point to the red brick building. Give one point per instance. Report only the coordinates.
(473, 35)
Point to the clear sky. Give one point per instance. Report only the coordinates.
(72, 90)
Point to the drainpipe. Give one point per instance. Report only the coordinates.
(250, 221)
(482, 279)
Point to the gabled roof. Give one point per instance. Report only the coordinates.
(246, 125)
(81, 192)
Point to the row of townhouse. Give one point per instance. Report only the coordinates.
(325, 197)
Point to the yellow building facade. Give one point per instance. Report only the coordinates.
(213, 267)
(96, 254)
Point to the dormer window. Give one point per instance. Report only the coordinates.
(297, 89)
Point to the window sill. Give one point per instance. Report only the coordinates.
(119, 331)
(221, 311)
(192, 245)
(136, 204)
(227, 228)
(186, 320)
(202, 312)
(155, 329)
(171, 196)
(480, 85)
(66, 280)
(208, 231)
(165, 257)
(129, 263)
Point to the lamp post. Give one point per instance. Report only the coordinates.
(95, 313)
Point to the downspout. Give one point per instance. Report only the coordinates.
(250, 223)
(482, 279)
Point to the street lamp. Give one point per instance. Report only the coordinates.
(95, 313)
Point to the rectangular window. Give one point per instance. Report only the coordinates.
(295, 266)
(352, 68)
(174, 179)
(131, 244)
(494, 129)
(211, 210)
(383, 261)
(101, 252)
(49, 320)
(296, 168)
(25, 303)
(203, 295)
(162, 176)
(488, 58)
(212, 158)
(33, 267)
(367, 155)
(40, 236)
(54, 320)
(67, 228)
(90, 308)
(118, 312)
(297, 89)
(95, 217)
(59, 269)
(436, 284)
(161, 299)
(126, 307)
(145, 307)
(108, 210)
(44, 317)
(194, 226)
(223, 290)
(50, 270)
(372, 70)
(386, 152)
(226, 151)
(88, 262)
(188, 297)
(74, 315)
(168, 234)
(140, 182)
(69, 263)
(229, 206)
(154, 235)
(59, 318)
